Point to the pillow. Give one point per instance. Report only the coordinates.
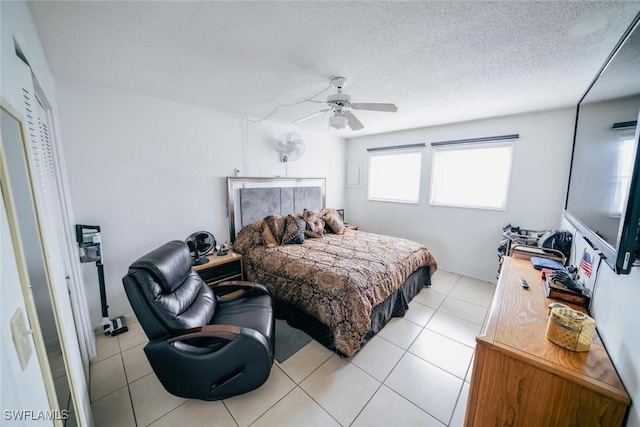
(314, 224)
(332, 218)
(293, 230)
(248, 237)
(275, 226)
(267, 235)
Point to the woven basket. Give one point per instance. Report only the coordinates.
(570, 329)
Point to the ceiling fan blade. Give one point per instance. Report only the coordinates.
(317, 113)
(352, 121)
(389, 108)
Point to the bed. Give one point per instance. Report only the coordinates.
(342, 288)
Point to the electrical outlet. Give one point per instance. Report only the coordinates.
(21, 339)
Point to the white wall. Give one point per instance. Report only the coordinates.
(149, 170)
(466, 240)
(324, 157)
(614, 307)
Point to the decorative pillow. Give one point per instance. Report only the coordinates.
(269, 238)
(332, 218)
(315, 224)
(293, 230)
(275, 223)
(249, 237)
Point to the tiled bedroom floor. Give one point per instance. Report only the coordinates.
(415, 372)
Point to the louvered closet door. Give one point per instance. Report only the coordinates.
(66, 237)
(49, 214)
(45, 149)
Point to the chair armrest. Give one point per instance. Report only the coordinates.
(226, 332)
(234, 289)
(236, 283)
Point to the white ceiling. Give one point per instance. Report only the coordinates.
(439, 62)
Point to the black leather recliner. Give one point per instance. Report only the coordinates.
(202, 345)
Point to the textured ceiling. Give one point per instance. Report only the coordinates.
(439, 62)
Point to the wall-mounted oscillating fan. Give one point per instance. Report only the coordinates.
(291, 147)
(201, 243)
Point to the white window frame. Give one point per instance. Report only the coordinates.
(470, 146)
(395, 152)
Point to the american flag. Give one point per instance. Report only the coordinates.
(585, 263)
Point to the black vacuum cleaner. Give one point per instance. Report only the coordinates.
(90, 243)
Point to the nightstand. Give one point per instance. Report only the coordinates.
(351, 226)
(221, 268)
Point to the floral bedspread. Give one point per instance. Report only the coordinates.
(337, 279)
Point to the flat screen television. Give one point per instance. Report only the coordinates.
(603, 196)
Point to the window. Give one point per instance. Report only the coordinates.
(624, 167)
(471, 175)
(394, 175)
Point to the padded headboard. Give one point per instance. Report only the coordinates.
(251, 199)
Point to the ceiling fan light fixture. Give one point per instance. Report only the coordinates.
(340, 105)
(338, 121)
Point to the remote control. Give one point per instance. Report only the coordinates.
(524, 283)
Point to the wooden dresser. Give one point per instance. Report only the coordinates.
(522, 379)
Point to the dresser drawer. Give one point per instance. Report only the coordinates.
(218, 273)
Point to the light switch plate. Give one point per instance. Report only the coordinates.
(21, 338)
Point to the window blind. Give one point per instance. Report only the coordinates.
(396, 147)
(476, 140)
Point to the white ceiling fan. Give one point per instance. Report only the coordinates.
(340, 105)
